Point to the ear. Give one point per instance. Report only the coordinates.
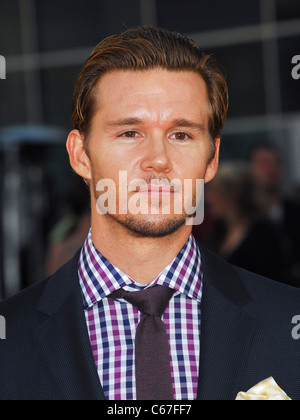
(78, 157)
(213, 165)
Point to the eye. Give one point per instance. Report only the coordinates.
(180, 136)
(130, 134)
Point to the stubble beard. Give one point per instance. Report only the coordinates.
(150, 228)
(147, 226)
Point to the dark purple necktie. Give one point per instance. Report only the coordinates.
(152, 357)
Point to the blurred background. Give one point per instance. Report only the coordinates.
(44, 207)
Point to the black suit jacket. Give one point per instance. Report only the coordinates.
(246, 336)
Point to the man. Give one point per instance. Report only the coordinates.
(148, 104)
(267, 167)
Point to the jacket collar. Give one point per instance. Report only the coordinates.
(223, 277)
(216, 273)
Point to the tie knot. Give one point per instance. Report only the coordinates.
(151, 301)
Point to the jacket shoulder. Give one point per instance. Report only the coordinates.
(21, 304)
(243, 287)
(269, 295)
(50, 290)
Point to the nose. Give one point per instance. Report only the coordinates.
(156, 156)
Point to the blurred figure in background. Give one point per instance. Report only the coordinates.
(284, 212)
(69, 233)
(242, 235)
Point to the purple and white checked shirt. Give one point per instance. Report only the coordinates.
(112, 323)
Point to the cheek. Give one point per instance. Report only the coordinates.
(194, 163)
(104, 162)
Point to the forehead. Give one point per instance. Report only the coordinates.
(157, 92)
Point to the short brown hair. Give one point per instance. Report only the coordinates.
(145, 48)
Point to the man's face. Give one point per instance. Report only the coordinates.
(153, 126)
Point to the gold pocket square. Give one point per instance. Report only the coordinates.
(266, 390)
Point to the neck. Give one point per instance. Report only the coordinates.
(141, 258)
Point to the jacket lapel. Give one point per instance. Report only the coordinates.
(63, 339)
(226, 330)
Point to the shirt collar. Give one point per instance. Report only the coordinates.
(99, 278)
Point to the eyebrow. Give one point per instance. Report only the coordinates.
(190, 124)
(182, 123)
(124, 122)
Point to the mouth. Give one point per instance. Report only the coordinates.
(156, 190)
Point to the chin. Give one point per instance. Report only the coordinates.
(151, 227)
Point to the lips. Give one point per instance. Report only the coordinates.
(156, 190)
